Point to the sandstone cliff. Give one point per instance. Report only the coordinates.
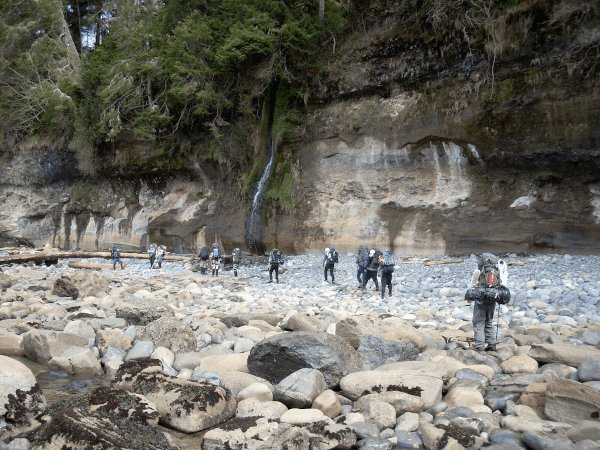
(447, 145)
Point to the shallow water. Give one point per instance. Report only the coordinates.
(58, 386)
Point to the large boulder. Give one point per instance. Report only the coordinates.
(571, 402)
(170, 333)
(112, 338)
(376, 351)
(184, 405)
(11, 344)
(41, 346)
(278, 356)
(570, 355)
(352, 328)
(301, 388)
(80, 284)
(426, 385)
(21, 397)
(104, 418)
(76, 361)
(141, 315)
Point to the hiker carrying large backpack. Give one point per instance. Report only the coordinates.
(329, 261)
(115, 254)
(275, 259)
(152, 254)
(372, 268)
(215, 259)
(386, 268)
(236, 259)
(362, 260)
(488, 287)
(161, 251)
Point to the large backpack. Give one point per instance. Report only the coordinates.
(374, 260)
(114, 253)
(215, 252)
(204, 253)
(275, 256)
(388, 262)
(236, 255)
(489, 273)
(332, 255)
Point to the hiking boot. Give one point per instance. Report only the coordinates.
(491, 348)
(270, 281)
(377, 288)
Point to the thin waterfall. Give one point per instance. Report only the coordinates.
(254, 225)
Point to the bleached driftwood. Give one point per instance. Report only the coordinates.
(433, 262)
(91, 265)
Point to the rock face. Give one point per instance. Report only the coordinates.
(400, 135)
(277, 357)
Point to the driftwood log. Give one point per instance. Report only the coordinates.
(43, 257)
(433, 262)
(91, 265)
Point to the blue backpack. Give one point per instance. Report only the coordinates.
(215, 252)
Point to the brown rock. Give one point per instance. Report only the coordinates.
(570, 355)
(571, 402)
(534, 395)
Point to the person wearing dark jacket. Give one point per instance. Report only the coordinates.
(275, 258)
(116, 257)
(329, 262)
(372, 269)
(362, 260)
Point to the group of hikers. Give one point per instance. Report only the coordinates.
(488, 286)
(155, 253)
(214, 258)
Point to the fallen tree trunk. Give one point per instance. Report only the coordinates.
(91, 265)
(43, 257)
(433, 262)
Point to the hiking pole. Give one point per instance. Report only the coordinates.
(497, 323)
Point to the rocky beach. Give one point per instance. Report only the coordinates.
(171, 358)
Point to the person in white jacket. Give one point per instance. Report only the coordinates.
(491, 274)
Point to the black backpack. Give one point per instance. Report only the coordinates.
(332, 256)
(204, 253)
(388, 262)
(374, 260)
(275, 256)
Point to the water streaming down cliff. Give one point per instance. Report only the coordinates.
(254, 224)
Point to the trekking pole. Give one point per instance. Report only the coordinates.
(498, 323)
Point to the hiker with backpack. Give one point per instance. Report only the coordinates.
(152, 254)
(275, 258)
(386, 268)
(372, 268)
(203, 264)
(115, 254)
(362, 260)
(236, 259)
(215, 259)
(488, 287)
(161, 251)
(331, 257)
